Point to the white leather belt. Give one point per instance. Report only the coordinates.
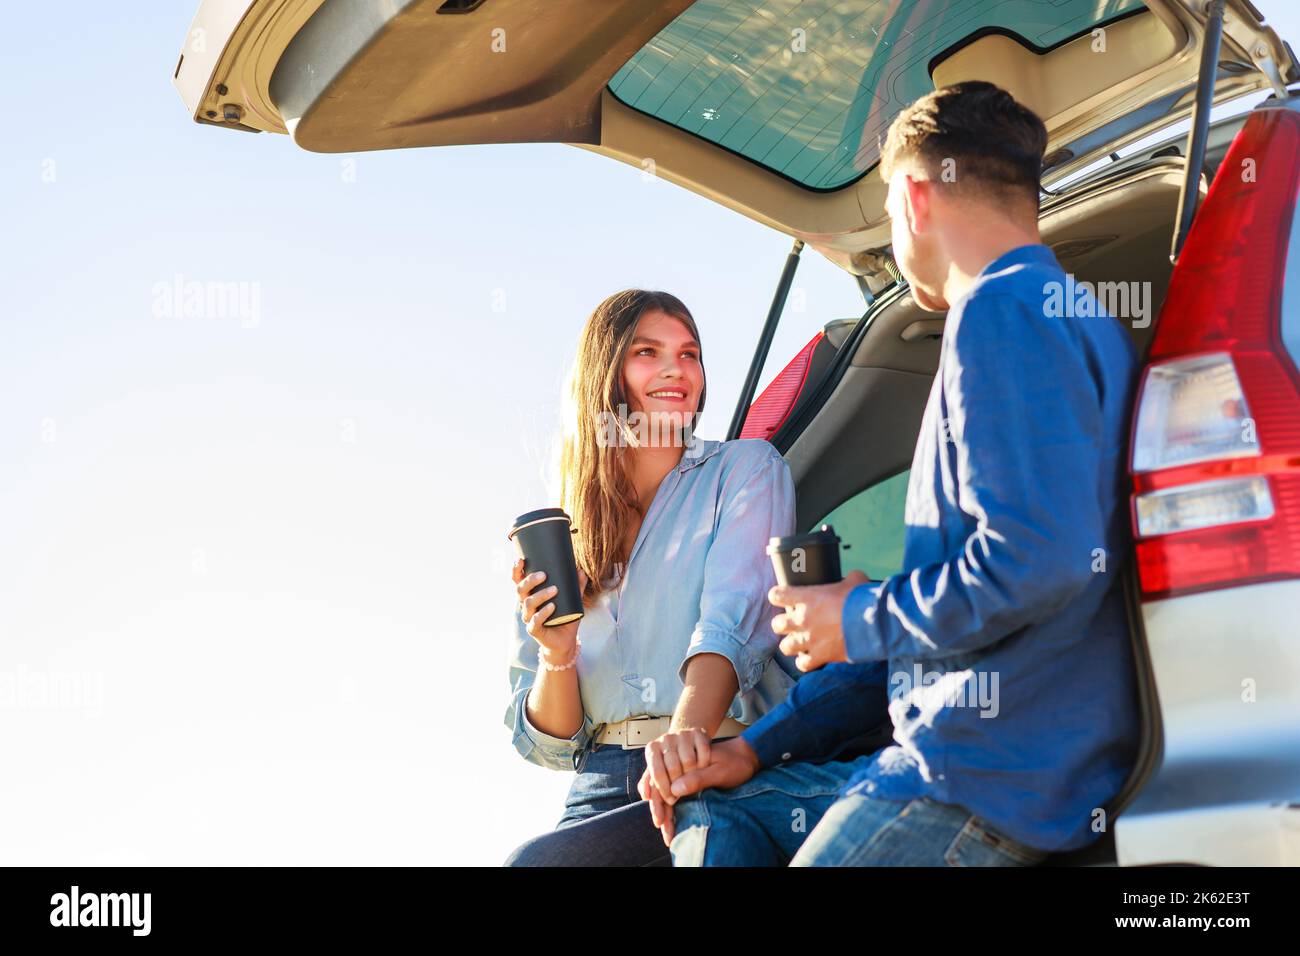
(639, 731)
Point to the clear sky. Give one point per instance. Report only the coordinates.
(254, 593)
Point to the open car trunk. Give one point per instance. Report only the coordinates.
(773, 109)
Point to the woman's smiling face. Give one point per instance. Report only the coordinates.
(662, 371)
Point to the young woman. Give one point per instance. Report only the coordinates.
(670, 540)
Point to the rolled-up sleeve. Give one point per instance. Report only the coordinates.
(735, 616)
(556, 753)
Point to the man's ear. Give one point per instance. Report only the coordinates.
(916, 204)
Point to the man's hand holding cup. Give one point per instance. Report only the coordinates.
(811, 625)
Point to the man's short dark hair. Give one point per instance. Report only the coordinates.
(973, 134)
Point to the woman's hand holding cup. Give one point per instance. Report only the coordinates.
(536, 606)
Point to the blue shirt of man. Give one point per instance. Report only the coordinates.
(1003, 644)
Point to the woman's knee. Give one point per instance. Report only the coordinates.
(531, 853)
(567, 845)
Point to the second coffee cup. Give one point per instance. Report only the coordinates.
(804, 559)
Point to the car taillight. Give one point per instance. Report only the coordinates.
(1192, 410)
(770, 410)
(1204, 505)
(1216, 438)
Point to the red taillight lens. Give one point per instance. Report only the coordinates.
(1216, 443)
(770, 410)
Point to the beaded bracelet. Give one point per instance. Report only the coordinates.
(577, 646)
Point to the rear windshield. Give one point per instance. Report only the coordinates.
(808, 89)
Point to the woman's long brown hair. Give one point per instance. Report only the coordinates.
(596, 487)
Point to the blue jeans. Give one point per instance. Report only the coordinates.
(605, 821)
(794, 815)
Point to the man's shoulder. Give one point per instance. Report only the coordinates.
(1000, 310)
(1027, 284)
(1034, 299)
(1067, 307)
(1031, 314)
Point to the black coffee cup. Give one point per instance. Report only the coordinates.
(544, 540)
(810, 558)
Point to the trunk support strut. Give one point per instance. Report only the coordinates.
(1199, 133)
(764, 342)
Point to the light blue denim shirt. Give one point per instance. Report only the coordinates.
(696, 583)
